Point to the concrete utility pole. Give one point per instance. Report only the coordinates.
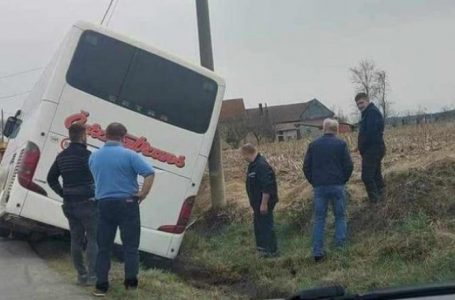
(215, 159)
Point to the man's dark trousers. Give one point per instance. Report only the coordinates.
(122, 214)
(83, 219)
(372, 173)
(264, 232)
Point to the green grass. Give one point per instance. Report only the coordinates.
(409, 253)
(224, 265)
(407, 239)
(154, 284)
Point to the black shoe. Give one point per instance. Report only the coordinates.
(131, 284)
(99, 293)
(100, 289)
(319, 259)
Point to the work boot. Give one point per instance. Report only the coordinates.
(100, 289)
(131, 284)
(99, 293)
(319, 258)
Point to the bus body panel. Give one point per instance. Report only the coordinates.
(16, 201)
(46, 112)
(44, 209)
(175, 244)
(167, 138)
(54, 100)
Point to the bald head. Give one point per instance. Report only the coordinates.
(330, 126)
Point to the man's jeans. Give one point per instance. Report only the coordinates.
(372, 174)
(264, 232)
(83, 219)
(122, 214)
(335, 194)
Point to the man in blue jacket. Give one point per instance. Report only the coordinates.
(371, 146)
(328, 167)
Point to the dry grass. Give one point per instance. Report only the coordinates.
(407, 147)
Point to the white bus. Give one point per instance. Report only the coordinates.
(171, 110)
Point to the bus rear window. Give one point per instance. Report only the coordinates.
(142, 82)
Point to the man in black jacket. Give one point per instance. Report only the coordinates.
(371, 146)
(262, 192)
(328, 167)
(78, 206)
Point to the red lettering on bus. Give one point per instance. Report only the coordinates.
(139, 145)
(76, 118)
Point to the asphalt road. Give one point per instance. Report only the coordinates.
(23, 275)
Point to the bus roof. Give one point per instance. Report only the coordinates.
(106, 31)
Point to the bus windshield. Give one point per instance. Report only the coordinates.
(143, 82)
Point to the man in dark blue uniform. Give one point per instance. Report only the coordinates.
(262, 192)
(371, 146)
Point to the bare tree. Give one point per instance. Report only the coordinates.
(234, 131)
(382, 88)
(262, 127)
(375, 83)
(363, 77)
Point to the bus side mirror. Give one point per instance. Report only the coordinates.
(12, 127)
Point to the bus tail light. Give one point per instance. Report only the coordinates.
(184, 218)
(27, 165)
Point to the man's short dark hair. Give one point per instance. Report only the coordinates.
(361, 96)
(248, 149)
(116, 131)
(76, 132)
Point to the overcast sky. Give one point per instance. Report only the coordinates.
(268, 51)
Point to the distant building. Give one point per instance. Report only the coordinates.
(232, 109)
(294, 121)
(289, 121)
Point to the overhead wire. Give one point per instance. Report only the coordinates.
(112, 12)
(107, 11)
